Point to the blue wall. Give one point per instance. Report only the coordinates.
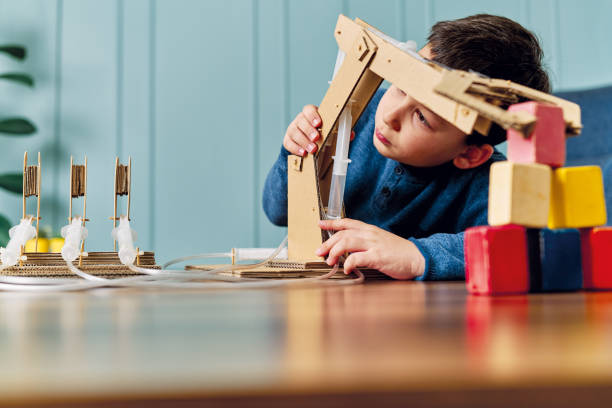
(199, 93)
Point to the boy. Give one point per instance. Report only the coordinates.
(412, 192)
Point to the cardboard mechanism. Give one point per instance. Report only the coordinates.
(468, 100)
(47, 264)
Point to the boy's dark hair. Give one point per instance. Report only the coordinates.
(493, 46)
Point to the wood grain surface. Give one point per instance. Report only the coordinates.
(382, 343)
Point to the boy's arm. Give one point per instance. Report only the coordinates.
(443, 255)
(275, 191)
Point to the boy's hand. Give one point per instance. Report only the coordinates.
(371, 247)
(303, 132)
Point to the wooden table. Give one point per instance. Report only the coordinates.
(378, 344)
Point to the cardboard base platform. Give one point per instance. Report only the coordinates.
(287, 269)
(103, 264)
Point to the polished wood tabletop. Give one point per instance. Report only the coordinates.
(381, 343)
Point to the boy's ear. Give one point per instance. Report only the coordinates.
(473, 156)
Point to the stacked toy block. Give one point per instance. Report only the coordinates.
(544, 231)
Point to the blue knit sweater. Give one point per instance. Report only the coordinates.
(431, 206)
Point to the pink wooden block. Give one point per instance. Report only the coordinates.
(496, 260)
(546, 144)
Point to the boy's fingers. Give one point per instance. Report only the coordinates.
(348, 243)
(307, 128)
(293, 147)
(343, 246)
(300, 138)
(324, 248)
(356, 259)
(312, 114)
(342, 224)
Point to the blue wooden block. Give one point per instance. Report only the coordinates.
(555, 262)
(533, 253)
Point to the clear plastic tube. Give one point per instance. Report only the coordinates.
(179, 279)
(341, 162)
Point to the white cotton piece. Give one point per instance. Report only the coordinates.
(125, 237)
(19, 235)
(73, 234)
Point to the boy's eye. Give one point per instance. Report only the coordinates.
(421, 117)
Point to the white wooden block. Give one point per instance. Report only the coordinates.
(519, 193)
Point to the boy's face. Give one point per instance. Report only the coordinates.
(410, 133)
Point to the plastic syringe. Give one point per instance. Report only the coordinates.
(341, 160)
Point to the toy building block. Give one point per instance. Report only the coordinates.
(496, 260)
(577, 198)
(519, 194)
(554, 260)
(546, 144)
(596, 259)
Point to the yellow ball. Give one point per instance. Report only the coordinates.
(56, 244)
(43, 245)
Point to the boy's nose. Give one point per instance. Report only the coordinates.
(392, 119)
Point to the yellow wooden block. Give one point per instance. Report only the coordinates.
(43, 245)
(56, 244)
(519, 193)
(577, 198)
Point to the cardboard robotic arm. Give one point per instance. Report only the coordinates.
(467, 100)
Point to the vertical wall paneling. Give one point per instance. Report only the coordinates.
(133, 110)
(286, 36)
(385, 16)
(152, 120)
(416, 18)
(31, 23)
(255, 121)
(203, 145)
(55, 149)
(119, 76)
(449, 9)
(200, 93)
(272, 101)
(312, 50)
(401, 19)
(429, 14)
(561, 82)
(584, 34)
(88, 111)
(542, 19)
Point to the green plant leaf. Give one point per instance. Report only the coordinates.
(14, 50)
(5, 226)
(23, 79)
(17, 126)
(12, 182)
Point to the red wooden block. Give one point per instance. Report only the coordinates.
(597, 258)
(496, 260)
(546, 144)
